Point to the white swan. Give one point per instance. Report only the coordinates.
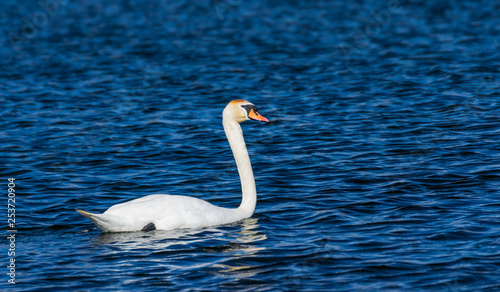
(168, 212)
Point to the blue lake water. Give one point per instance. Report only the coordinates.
(379, 171)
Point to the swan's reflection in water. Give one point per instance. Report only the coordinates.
(225, 250)
(153, 240)
(238, 264)
(159, 239)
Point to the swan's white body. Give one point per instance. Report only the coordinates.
(168, 212)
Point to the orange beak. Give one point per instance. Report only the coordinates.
(254, 115)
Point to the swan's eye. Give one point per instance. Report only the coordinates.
(249, 107)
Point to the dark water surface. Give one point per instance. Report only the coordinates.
(379, 171)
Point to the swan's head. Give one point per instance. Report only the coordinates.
(242, 110)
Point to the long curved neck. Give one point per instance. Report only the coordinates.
(234, 135)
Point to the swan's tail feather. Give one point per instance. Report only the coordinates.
(107, 223)
(86, 214)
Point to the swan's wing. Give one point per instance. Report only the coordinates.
(169, 211)
(157, 206)
(166, 212)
